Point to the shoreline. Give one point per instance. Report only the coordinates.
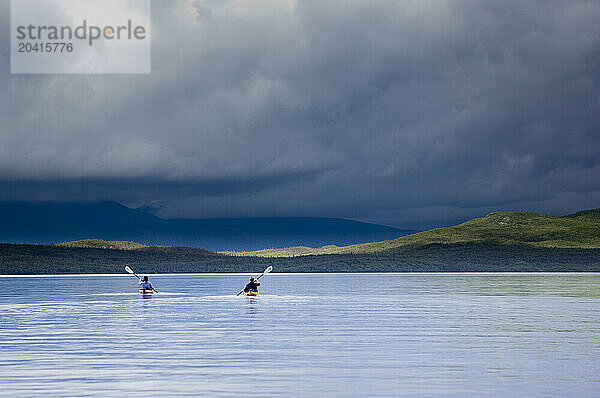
(482, 273)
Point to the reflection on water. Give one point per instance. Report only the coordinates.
(305, 335)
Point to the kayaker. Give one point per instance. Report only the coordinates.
(252, 286)
(145, 285)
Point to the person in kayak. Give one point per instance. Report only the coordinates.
(252, 286)
(145, 285)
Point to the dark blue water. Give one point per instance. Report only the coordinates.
(341, 335)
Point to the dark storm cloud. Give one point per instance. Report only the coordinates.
(151, 189)
(405, 113)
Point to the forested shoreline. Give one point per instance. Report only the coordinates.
(461, 257)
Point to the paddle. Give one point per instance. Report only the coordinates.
(129, 270)
(269, 269)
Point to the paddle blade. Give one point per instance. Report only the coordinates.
(269, 269)
(129, 270)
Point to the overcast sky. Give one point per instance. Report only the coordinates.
(405, 113)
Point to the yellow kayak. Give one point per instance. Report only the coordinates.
(251, 293)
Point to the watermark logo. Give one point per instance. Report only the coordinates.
(80, 36)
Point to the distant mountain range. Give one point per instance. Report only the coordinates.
(43, 223)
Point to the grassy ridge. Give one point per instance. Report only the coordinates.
(577, 231)
(102, 244)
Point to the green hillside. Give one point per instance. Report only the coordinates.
(102, 244)
(576, 231)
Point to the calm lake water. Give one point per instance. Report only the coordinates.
(318, 335)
